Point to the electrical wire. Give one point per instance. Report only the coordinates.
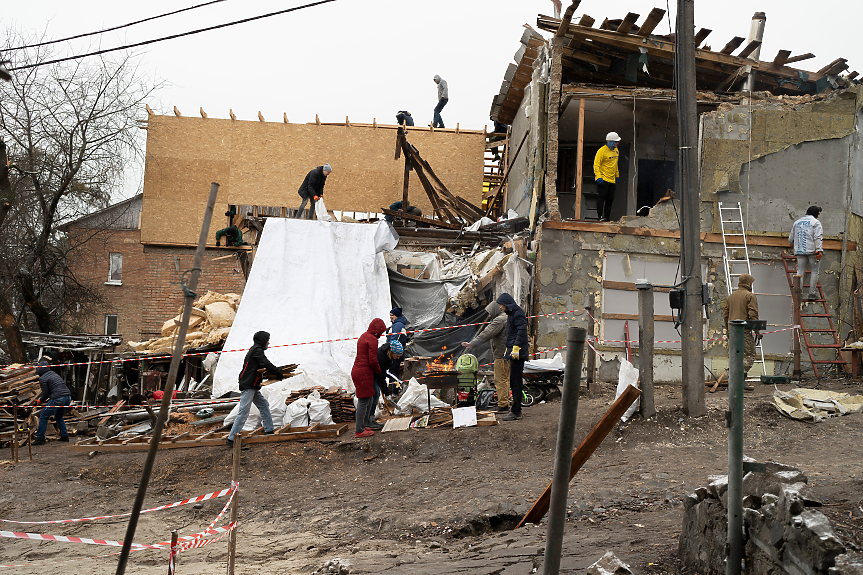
(115, 27)
(171, 37)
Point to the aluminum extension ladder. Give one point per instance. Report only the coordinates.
(731, 222)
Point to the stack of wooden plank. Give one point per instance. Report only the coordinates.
(341, 403)
(287, 371)
(19, 385)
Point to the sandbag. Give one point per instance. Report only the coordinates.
(275, 400)
(319, 409)
(416, 395)
(321, 211)
(220, 314)
(218, 335)
(297, 413)
(208, 298)
(628, 376)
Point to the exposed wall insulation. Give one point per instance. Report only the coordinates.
(264, 163)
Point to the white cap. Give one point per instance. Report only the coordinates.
(612, 137)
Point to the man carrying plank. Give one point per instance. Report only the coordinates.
(250, 386)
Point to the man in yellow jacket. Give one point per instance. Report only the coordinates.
(607, 175)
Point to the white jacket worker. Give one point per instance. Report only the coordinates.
(806, 236)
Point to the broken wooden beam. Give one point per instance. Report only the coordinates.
(585, 450)
(420, 219)
(733, 45)
(750, 48)
(651, 22)
(701, 36)
(800, 58)
(782, 57)
(627, 24)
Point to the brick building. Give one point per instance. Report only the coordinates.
(138, 285)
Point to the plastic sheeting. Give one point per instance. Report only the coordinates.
(447, 342)
(423, 302)
(429, 261)
(311, 281)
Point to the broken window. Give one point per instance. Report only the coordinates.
(115, 269)
(111, 324)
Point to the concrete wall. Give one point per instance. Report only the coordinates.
(573, 265)
(519, 186)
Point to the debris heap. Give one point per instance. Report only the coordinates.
(212, 317)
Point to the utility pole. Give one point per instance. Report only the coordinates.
(690, 232)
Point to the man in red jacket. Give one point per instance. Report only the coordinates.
(363, 374)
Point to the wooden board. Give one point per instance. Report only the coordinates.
(751, 239)
(397, 424)
(264, 163)
(207, 439)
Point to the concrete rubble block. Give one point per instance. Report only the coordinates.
(609, 564)
(702, 538)
(847, 565)
(82, 427)
(793, 499)
(810, 540)
(718, 485)
(104, 432)
(756, 483)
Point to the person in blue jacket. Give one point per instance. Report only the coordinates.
(56, 397)
(516, 350)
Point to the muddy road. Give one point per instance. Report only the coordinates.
(424, 501)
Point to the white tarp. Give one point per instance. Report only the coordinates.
(311, 281)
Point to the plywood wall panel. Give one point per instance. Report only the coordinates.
(264, 163)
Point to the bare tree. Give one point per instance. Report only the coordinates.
(70, 130)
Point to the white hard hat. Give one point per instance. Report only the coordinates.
(612, 137)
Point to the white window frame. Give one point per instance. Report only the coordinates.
(111, 268)
(117, 318)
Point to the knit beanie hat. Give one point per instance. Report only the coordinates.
(396, 347)
(328, 168)
(396, 311)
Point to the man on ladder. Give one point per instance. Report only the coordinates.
(742, 304)
(806, 236)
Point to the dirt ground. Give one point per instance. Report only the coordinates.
(428, 501)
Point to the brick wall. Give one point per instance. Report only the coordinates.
(150, 292)
(163, 299)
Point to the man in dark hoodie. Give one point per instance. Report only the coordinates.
(312, 188)
(55, 396)
(495, 332)
(389, 356)
(516, 350)
(250, 386)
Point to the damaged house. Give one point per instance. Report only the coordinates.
(773, 140)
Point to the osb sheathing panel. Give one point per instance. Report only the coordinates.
(264, 163)
(726, 143)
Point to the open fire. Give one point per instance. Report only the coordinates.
(440, 364)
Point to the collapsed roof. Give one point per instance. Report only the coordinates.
(621, 53)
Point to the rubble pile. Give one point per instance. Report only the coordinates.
(212, 317)
(782, 532)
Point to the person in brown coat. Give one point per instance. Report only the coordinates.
(742, 304)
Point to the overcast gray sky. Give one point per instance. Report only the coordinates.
(367, 59)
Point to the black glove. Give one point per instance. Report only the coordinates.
(217, 244)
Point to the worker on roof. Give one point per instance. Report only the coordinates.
(363, 373)
(397, 207)
(442, 99)
(312, 188)
(404, 118)
(516, 350)
(250, 386)
(233, 236)
(807, 237)
(495, 332)
(55, 396)
(606, 174)
(742, 304)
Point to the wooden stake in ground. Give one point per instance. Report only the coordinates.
(172, 557)
(15, 435)
(235, 478)
(189, 296)
(585, 450)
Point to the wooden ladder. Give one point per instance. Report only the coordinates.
(789, 262)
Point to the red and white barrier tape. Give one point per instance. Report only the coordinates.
(211, 529)
(208, 496)
(168, 356)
